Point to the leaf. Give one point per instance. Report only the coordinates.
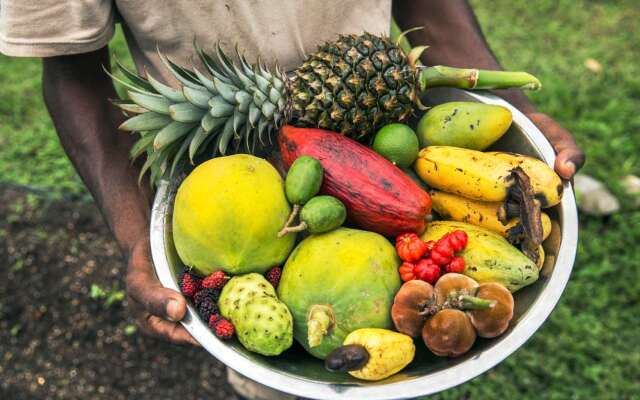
(170, 93)
(225, 136)
(227, 91)
(195, 143)
(154, 102)
(141, 145)
(134, 77)
(197, 97)
(209, 122)
(186, 112)
(145, 122)
(171, 133)
(206, 82)
(220, 108)
(128, 107)
(183, 149)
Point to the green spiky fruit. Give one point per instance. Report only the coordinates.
(353, 85)
(241, 289)
(265, 326)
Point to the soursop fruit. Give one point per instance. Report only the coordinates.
(240, 289)
(264, 325)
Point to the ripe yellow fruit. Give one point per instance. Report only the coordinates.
(227, 214)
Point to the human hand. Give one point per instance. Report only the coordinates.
(569, 157)
(156, 309)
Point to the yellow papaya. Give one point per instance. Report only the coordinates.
(227, 215)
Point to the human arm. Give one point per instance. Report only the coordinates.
(77, 91)
(455, 37)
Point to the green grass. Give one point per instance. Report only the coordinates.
(588, 348)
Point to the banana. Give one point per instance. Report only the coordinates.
(488, 257)
(546, 184)
(483, 213)
(485, 177)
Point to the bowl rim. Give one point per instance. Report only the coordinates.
(437, 381)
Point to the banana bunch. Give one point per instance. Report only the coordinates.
(502, 192)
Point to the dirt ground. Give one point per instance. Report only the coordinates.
(59, 342)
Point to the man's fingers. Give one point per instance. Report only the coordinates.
(569, 157)
(153, 298)
(568, 162)
(170, 331)
(145, 289)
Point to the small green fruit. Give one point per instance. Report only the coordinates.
(303, 180)
(397, 143)
(320, 214)
(469, 125)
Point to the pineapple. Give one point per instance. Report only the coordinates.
(353, 85)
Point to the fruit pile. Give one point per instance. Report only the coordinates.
(342, 289)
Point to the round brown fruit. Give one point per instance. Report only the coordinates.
(492, 322)
(449, 333)
(408, 309)
(454, 282)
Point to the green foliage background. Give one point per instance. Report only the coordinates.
(588, 349)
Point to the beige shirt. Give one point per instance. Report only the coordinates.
(282, 30)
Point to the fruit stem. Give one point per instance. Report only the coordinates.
(472, 78)
(462, 301)
(288, 229)
(463, 78)
(292, 216)
(319, 321)
(475, 303)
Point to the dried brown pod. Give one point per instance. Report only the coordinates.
(449, 333)
(493, 321)
(411, 306)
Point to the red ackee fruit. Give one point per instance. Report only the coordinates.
(458, 240)
(410, 247)
(215, 281)
(427, 270)
(224, 329)
(406, 272)
(456, 265)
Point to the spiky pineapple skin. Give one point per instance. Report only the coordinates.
(354, 86)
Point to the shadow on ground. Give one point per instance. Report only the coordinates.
(56, 341)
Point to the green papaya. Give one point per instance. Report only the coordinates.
(227, 214)
(488, 257)
(336, 282)
(469, 125)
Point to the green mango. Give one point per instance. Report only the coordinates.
(469, 125)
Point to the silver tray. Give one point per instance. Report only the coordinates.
(300, 374)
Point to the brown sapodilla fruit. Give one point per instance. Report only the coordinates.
(449, 333)
(409, 309)
(453, 282)
(493, 321)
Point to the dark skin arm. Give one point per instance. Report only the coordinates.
(77, 92)
(455, 39)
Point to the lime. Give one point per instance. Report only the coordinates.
(397, 143)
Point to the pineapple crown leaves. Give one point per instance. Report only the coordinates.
(233, 108)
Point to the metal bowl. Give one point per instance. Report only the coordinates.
(298, 373)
